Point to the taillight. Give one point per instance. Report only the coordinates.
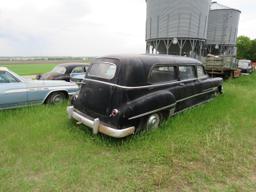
(114, 113)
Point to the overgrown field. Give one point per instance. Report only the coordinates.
(209, 148)
(30, 69)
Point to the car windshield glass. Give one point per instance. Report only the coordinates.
(59, 69)
(103, 70)
(5, 77)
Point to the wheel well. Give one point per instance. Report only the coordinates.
(49, 95)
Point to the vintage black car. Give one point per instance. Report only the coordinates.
(123, 94)
(64, 71)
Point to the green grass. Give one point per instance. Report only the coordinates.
(209, 148)
(30, 69)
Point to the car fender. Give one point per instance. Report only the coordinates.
(54, 91)
(149, 104)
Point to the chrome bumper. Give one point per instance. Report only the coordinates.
(96, 126)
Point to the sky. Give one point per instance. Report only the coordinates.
(85, 27)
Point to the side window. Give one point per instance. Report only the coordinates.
(161, 74)
(200, 72)
(78, 70)
(187, 72)
(5, 77)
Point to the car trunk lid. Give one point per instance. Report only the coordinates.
(97, 92)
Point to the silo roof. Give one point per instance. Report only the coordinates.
(217, 6)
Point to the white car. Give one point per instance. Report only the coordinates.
(245, 66)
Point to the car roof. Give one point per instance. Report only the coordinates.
(245, 60)
(72, 64)
(134, 69)
(152, 59)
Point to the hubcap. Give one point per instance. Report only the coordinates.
(153, 121)
(57, 99)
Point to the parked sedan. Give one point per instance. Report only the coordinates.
(123, 94)
(18, 92)
(64, 71)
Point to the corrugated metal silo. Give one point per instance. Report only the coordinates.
(222, 29)
(176, 26)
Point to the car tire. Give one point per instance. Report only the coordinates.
(150, 122)
(56, 97)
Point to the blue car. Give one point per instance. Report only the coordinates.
(18, 92)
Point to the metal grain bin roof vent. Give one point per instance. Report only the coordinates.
(176, 26)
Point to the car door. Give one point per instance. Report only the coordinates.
(206, 85)
(37, 91)
(13, 92)
(187, 87)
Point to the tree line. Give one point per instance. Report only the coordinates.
(246, 48)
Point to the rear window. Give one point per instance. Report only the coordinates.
(78, 70)
(187, 72)
(161, 74)
(103, 70)
(59, 69)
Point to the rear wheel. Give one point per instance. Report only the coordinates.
(150, 122)
(55, 98)
(153, 121)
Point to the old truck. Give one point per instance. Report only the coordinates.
(224, 66)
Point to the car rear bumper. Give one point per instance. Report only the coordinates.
(97, 126)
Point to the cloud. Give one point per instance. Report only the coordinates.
(85, 27)
(77, 27)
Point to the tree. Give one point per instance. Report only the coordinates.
(243, 47)
(252, 51)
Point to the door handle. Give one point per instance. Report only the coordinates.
(182, 84)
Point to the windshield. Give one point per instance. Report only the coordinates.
(9, 77)
(103, 70)
(59, 69)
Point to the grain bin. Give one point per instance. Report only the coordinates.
(222, 29)
(176, 26)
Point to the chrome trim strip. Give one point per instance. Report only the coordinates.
(139, 87)
(154, 111)
(16, 91)
(199, 94)
(198, 104)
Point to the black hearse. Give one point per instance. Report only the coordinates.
(123, 94)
